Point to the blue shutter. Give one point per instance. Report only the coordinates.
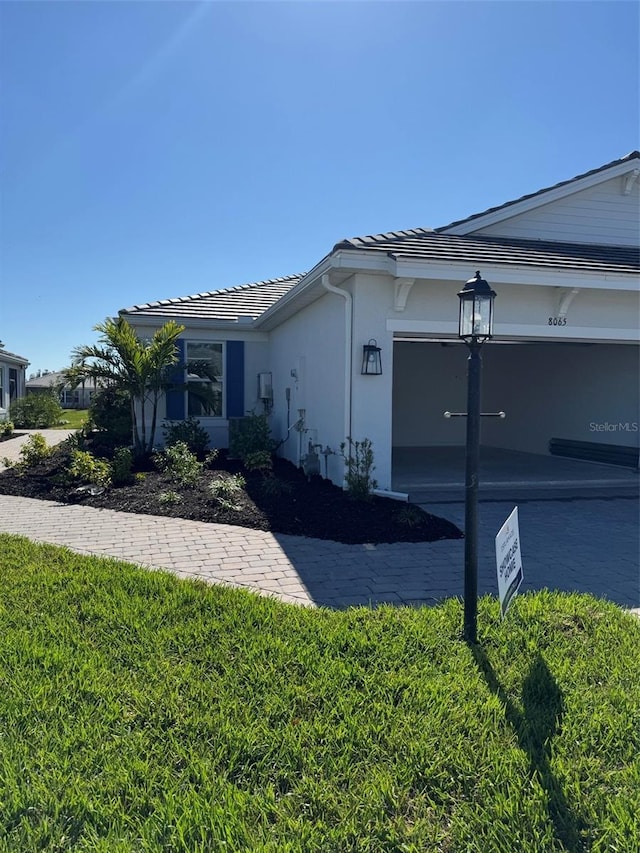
(175, 398)
(234, 379)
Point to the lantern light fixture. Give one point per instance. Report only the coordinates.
(476, 311)
(371, 359)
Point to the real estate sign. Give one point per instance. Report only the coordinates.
(508, 561)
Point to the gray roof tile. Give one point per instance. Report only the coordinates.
(226, 305)
(474, 249)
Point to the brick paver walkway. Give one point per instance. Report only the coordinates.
(583, 545)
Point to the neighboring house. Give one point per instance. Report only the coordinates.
(564, 362)
(12, 380)
(70, 398)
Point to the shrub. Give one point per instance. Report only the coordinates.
(85, 468)
(224, 489)
(274, 487)
(110, 414)
(6, 429)
(190, 432)
(259, 460)
(121, 467)
(210, 458)
(359, 467)
(252, 436)
(36, 411)
(34, 450)
(169, 497)
(179, 464)
(409, 515)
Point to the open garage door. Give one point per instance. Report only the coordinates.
(576, 392)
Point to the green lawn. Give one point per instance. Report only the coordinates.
(139, 712)
(75, 418)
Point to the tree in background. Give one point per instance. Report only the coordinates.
(140, 368)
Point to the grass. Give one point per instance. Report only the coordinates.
(74, 419)
(139, 712)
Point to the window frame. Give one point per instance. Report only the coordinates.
(197, 379)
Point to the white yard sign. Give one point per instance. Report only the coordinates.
(508, 561)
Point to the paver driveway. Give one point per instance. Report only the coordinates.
(583, 545)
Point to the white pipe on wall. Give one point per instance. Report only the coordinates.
(348, 333)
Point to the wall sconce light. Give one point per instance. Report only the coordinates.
(371, 359)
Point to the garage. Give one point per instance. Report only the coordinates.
(580, 392)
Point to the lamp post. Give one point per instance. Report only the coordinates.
(475, 327)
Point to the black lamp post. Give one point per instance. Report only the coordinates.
(475, 327)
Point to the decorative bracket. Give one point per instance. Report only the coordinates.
(629, 180)
(565, 298)
(403, 289)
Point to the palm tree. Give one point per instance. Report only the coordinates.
(138, 367)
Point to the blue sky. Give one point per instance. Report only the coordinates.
(157, 149)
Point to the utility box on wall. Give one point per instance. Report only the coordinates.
(265, 387)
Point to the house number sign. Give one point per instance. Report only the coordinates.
(557, 321)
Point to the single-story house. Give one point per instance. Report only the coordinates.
(12, 380)
(79, 397)
(563, 363)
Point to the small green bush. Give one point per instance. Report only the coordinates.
(169, 498)
(359, 468)
(188, 431)
(224, 490)
(36, 411)
(252, 436)
(274, 487)
(210, 458)
(6, 429)
(121, 467)
(179, 464)
(85, 468)
(259, 460)
(34, 450)
(110, 414)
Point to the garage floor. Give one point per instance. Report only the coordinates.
(428, 473)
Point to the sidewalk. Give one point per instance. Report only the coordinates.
(11, 448)
(581, 545)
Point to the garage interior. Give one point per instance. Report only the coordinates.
(587, 393)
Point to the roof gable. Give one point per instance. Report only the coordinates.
(616, 168)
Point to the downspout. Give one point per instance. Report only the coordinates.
(348, 335)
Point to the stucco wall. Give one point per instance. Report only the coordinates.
(311, 345)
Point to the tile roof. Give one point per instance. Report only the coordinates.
(227, 304)
(424, 245)
(633, 155)
(12, 355)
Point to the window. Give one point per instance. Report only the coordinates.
(13, 384)
(212, 355)
(1, 387)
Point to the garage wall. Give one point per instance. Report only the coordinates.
(428, 380)
(585, 392)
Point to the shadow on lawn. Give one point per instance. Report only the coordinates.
(535, 728)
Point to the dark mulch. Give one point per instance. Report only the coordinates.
(10, 437)
(286, 503)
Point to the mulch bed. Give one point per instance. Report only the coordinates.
(287, 503)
